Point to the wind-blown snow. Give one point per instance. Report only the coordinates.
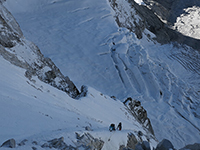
(83, 40)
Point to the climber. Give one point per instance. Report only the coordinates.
(112, 127)
(119, 127)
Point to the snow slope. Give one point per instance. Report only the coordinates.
(83, 40)
(38, 112)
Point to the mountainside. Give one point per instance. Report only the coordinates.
(150, 19)
(121, 48)
(16, 49)
(34, 113)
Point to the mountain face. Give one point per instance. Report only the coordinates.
(174, 14)
(143, 57)
(12, 41)
(162, 18)
(168, 11)
(22, 56)
(158, 17)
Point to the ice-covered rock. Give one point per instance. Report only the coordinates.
(135, 108)
(17, 50)
(137, 18)
(10, 32)
(132, 141)
(11, 143)
(182, 16)
(169, 10)
(87, 141)
(58, 143)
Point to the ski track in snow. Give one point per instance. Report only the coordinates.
(85, 21)
(79, 9)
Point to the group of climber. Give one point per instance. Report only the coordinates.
(112, 127)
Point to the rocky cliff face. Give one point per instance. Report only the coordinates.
(18, 51)
(182, 16)
(156, 16)
(169, 10)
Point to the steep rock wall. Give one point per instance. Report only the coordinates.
(147, 19)
(169, 10)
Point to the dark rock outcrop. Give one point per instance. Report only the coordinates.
(195, 146)
(23, 142)
(135, 108)
(132, 141)
(146, 145)
(165, 145)
(11, 143)
(134, 144)
(10, 32)
(87, 141)
(138, 147)
(58, 144)
(88, 128)
(140, 17)
(169, 10)
(52, 76)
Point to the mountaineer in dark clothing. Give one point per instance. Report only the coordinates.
(112, 127)
(119, 127)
